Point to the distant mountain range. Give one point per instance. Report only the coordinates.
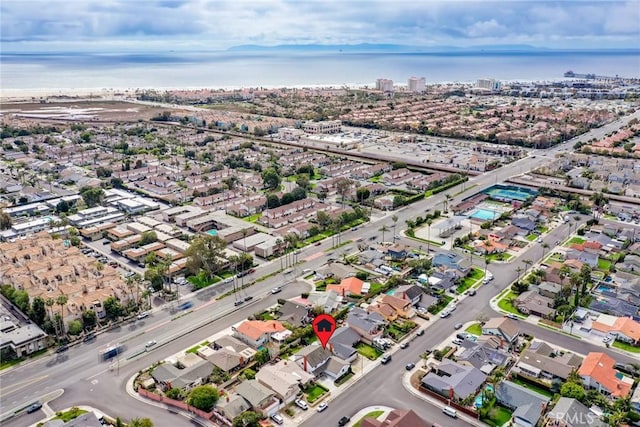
(397, 48)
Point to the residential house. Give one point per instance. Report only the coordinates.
(329, 300)
(524, 222)
(296, 315)
(397, 252)
(540, 360)
(227, 353)
(397, 418)
(232, 405)
(502, 327)
(598, 373)
(167, 376)
(440, 279)
(342, 343)
(549, 289)
(312, 359)
(484, 355)
(411, 293)
(350, 286)
(336, 368)
(531, 302)
(257, 333)
(453, 380)
(367, 325)
(284, 379)
(527, 405)
(335, 270)
(401, 306)
(452, 262)
(625, 328)
(260, 398)
(583, 256)
(569, 412)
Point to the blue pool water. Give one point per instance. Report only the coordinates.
(603, 289)
(212, 232)
(478, 401)
(485, 214)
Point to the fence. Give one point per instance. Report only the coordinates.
(449, 402)
(184, 406)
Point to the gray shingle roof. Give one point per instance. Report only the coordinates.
(574, 413)
(527, 404)
(465, 380)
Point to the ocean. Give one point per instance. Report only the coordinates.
(237, 69)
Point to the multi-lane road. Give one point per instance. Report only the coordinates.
(86, 380)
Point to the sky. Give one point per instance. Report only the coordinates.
(141, 25)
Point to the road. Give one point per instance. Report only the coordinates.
(86, 381)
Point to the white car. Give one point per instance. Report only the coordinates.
(150, 344)
(301, 404)
(276, 290)
(143, 315)
(228, 280)
(445, 314)
(322, 406)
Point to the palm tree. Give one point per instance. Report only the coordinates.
(487, 261)
(384, 229)
(278, 246)
(564, 272)
(519, 270)
(527, 262)
(61, 300)
(394, 218)
(544, 249)
(50, 302)
(429, 222)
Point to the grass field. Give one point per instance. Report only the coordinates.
(475, 329)
(372, 414)
(368, 351)
(505, 303)
(314, 392)
(604, 264)
(626, 347)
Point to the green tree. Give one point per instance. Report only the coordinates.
(203, 397)
(384, 229)
(206, 253)
(362, 194)
(343, 185)
(148, 237)
(113, 308)
(5, 220)
(303, 180)
(154, 276)
(89, 319)
(271, 178)
(247, 419)
(74, 327)
(175, 393)
(21, 300)
(92, 196)
(573, 390)
(38, 311)
(62, 300)
(262, 356)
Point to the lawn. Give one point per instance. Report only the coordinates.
(372, 414)
(314, 392)
(505, 303)
(70, 414)
(626, 347)
(576, 240)
(531, 237)
(503, 256)
(542, 229)
(368, 351)
(253, 218)
(603, 264)
(532, 387)
(194, 349)
(498, 416)
(444, 301)
(475, 329)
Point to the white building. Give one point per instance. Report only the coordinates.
(492, 85)
(417, 84)
(331, 126)
(385, 85)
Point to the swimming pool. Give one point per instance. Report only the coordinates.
(604, 289)
(212, 232)
(484, 214)
(479, 397)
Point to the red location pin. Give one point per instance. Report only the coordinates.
(324, 325)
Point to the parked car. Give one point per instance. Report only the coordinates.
(143, 315)
(248, 298)
(317, 243)
(150, 344)
(228, 280)
(301, 404)
(62, 348)
(276, 290)
(276, 418)
(322, 406)
(457, 341)
(386, 358)
(34, 407)
(404, 345)
(445, 313)
(89, 337)
(238, 302)
(420, 332)
(513, 316)
(607, 339)
(457, 326)
(344, 421)
(410, 366)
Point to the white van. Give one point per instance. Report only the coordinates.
(448, 410)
